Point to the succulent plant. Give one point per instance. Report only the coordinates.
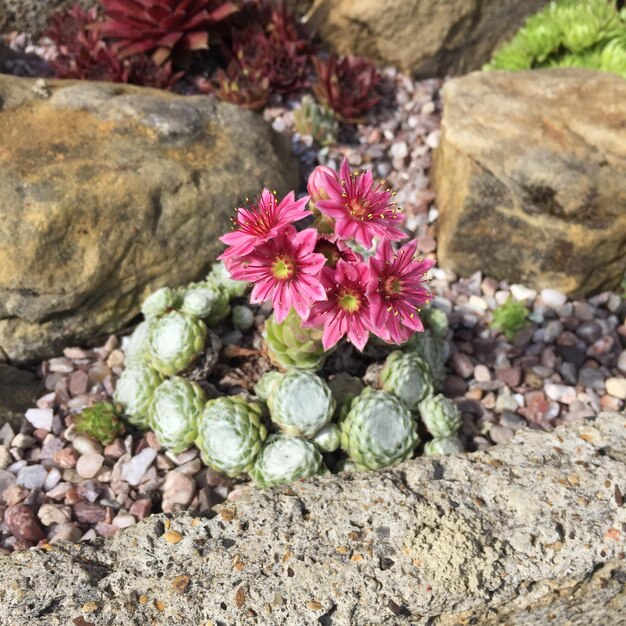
(160, 301)
(344, 388)
(206, 301)
(377, 430)
(161, 27)
(510, 317)
(174, 411)
(433, 350)
(82, 54)
(569, 33)
(290, 345)
(230, 434)
(328, 438)
(301, 403)
(243, 317)
(445, 445)
(347, 85)
(440, 416)
(134, 392)
(100, 422)
(435, 320)
(407, 376)
(238, 85)
(316, 121)
(284, 459)
(175, 340)
(219, 276)
(138, 346)
(263, 389)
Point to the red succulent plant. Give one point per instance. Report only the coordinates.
(84, 55)
(246, 88)
(161, 27)
(347, 85)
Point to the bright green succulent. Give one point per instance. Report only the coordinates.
(230, 434)
(100, 422)
(284, 459)
(435, 320)
(445, 445)
(510, 317)
(160, 301)
(407, 376)
(301, 403)
(328, 438)
(220, 277)
(174, 411)
(243, 317)
(315, 120)
(138, 347)
(377, 430)
(134, 391)
(207, 301)
(571, 33)
(289, 345)
(440, 416)
(433, 350)
(175, 340)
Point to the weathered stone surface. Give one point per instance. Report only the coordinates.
(32, 15)
(531, 532)
(530, 178)
(108, 192)
(18, 392)
(424, 37)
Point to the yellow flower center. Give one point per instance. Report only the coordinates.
(349, 301)
(283, 268)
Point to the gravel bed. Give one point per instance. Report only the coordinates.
(568, 363)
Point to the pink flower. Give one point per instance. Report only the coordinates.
(284, 270)
(346, 310)
(262, 221)
(361, 210)
(316, 185)
(335, 249)
(396, 291)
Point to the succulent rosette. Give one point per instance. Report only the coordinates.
(377, 430)
(175, 340)
(220, 277)
(328, 438)
(407, 376)
(289, 344)
(230, 434)
(206, 301)
(174, 411)
(160, 301)
(301, 403)
(433, 350)
(444, 445)
(285, 459)
(440, 415)
(100, 422)
(138, 346)
(134, 391)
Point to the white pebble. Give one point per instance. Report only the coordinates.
(50, 514)
(482, 374)
(88, 465)
(432, 139)
(553, 298)
(476, 303)
(32, 477)
(5, 457)
(523, 294)
(133, 470)
(84, 445)
(399, 150)
(616, 387)
(40, 418)
(52, 479)
(6, 434)
(560, 393)
(124, 520)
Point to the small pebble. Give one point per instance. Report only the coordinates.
(88, 465)
(5, 457)
(32, 477)
(88, 513)
(482, 373)
(23, 523)
(66, 532)
(65, 458)
(50, 514)
(84, 445)
(40, 418)
(553, 298)
(134, 470)
(500, 434)
(124, 520)
(616, 387)
(522, 293)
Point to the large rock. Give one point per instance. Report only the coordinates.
(424, 37)
(530, 178)
(108, 192)
(531, 532)
(32, 15)
(18, 392)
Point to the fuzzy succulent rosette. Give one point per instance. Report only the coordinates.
(332, 266)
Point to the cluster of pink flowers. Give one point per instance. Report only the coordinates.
(315, 270)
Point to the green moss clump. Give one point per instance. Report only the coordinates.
(510, 317)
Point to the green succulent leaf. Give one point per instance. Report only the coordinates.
(230, 434)
(135, 390)
(160, 301)
(328, 439)
(510, 317)
(100, 422)
(445, 445)
(285, 459)
(378, 431)
(174, 412)
(407, 376)
(440, 416)
(206, 301)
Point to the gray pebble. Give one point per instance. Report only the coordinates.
(32, 477)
